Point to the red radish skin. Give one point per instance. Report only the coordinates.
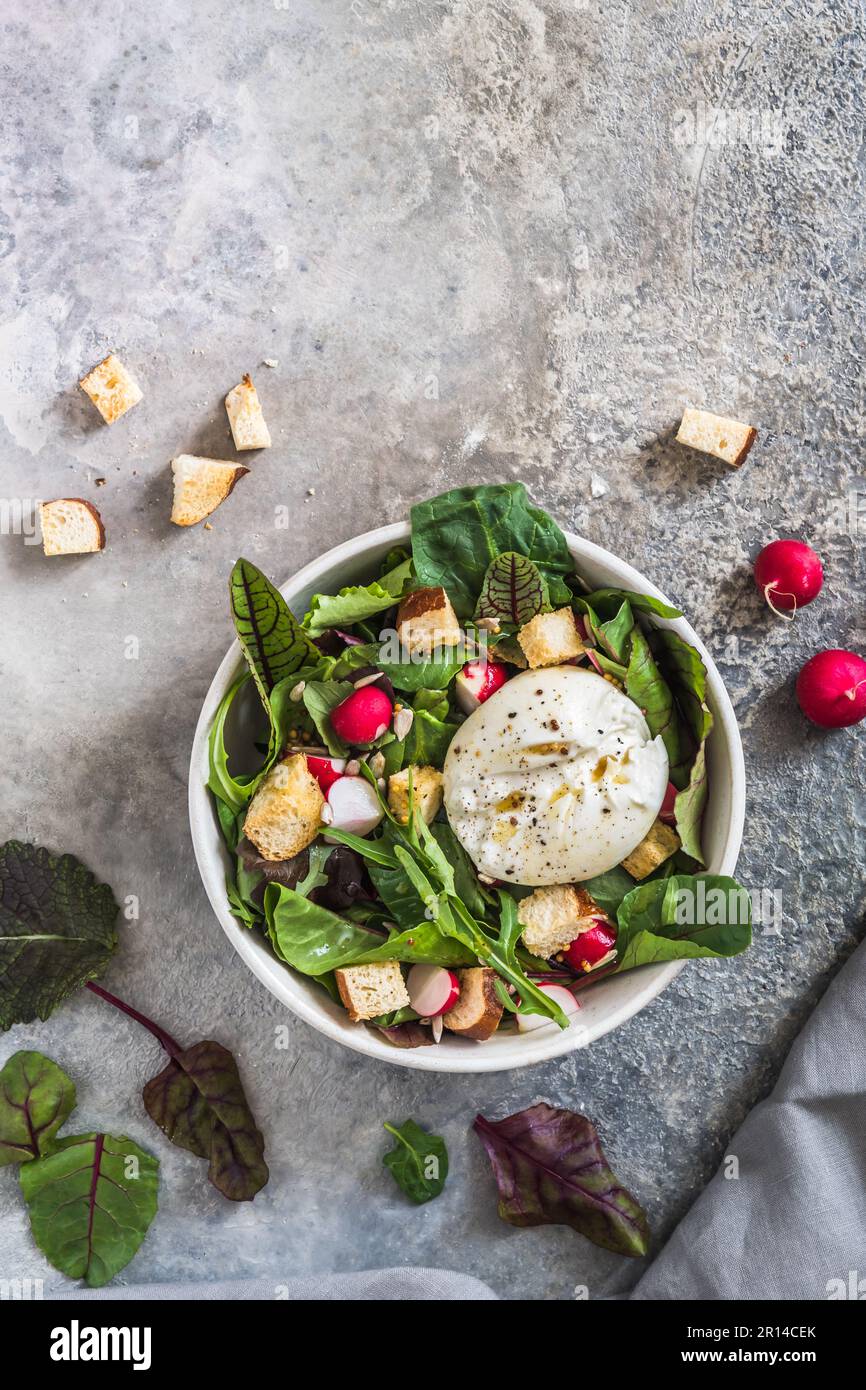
(789, 574)
(432, 990)
(363, 716)
(477, 682)
(591, 946)
(326, 770)
(831, 689)
(666, 811)
(354, 806)
(527, 1023)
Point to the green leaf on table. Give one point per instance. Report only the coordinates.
(91, 1201)
(199, 1103)
(36, 1098)
(456, 536)
(273, 641)
(358, 602)
(551, 1170)
(56, 930)
(418, 1162)
(681, 917)
(513, 590)
(320, 698)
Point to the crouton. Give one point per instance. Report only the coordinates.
(200, 485)
(551, 638)
(715, 434)
(479, 1009)
(554, 917)
(654, 849)
(244, 410)
(71, 526)
(286, 811)
(426, 791)
(111, 388)
(426, 620)
(370, 990)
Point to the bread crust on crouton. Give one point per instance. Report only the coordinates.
(370, 990)
(726, 439)
(478, 1010)
(426, 620)
(286, 811)
(71, 526)
(427, 784)
(554, 917)
(549, 639)
(111, 388)
(201, 485)
(246, 419)
(654, 849)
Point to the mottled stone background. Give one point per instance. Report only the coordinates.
(484, 240)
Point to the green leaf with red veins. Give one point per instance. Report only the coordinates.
(198, 1101)
(56, 930)
(513, 590)
(551, 1170)
(91, 1202)
(36, 1098)
(273, 641)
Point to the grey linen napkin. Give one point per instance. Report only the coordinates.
(790, 1225)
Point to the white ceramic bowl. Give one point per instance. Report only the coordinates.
(604, 1006)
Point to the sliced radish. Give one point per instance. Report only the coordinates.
(354, 805)
(527, 1023)
(363, 716)
(432, 990)
(666, 811)
(831, 689)
(592, 946)
(789, 575)
(477, 682)
(326, 770)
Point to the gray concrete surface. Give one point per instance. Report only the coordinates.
(483, 240)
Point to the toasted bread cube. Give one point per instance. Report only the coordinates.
(479, 1009)
(244, 410)
(200, 485)
(285, 814)
(111, 388)
(554, 917)
(426, 620)
(659, 845)
(551, 638)
(71, 526)
(370, 990)
(725, 439)
(426, 790)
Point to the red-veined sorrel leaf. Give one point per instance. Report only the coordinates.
(36, 1097)
(513, 590)
(551, 1170)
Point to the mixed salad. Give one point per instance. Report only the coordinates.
(477, 786)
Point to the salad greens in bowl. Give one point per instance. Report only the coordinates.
(468, 792)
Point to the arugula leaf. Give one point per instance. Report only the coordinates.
(683, 916)
(358, 601)
(36, 1098)
(91, 1201)
(457, 535)
(418, 1163)
(513, 590)
(273, 641)
(56, 930)
(320, 698)
(314, 940)
(198, 1101)
(550, 1169)
(645, 685)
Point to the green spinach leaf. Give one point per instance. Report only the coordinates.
(645, 685)
(683, 916)
(418, 1162)
(609, 889)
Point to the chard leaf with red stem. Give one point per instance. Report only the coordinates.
(551, 1170)
(36, 1098)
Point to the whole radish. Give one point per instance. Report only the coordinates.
(831, 689)
(363, 716)
(789, 575)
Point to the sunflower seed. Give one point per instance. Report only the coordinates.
(403, 720)
(297, 691)
(376, 764)
(327, 815)
(368, 680)
(436, 1027)
(352, 768)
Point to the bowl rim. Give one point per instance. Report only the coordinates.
(270, 972)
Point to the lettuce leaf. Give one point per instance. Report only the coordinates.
(358, 601)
